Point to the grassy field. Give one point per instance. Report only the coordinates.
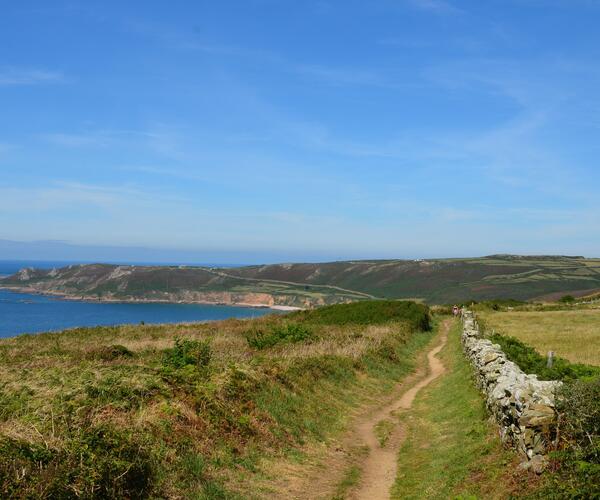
(572, 334)
(190, 411)
(452, 450)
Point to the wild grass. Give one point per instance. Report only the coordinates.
(573, 334)
(183, 410)
(452, 450)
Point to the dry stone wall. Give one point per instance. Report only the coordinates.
(522, 405)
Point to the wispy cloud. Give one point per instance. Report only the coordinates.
(5, 147)
(341, 76)
(435, 6)
(20, 76)
(159, 140)
(333, 75)
(76, 140)
(73, 194)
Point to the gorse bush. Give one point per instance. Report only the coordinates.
(190, 420)
(110, 353)
(530, 361)
(287, 333)
(576, 464)
(578, 403)
(369, 312)
(567, 299)
(99, 462)
(574, 470)
(186, 352)
(499, 304)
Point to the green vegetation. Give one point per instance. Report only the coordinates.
(567, 299)
(571, 332)
(452, 450)
(188, 411)
(497, 304)
(186, 352)
(350, 480)
(530, 361)
(576, 464)
(260, 338)
(369, 313)
(436, 281)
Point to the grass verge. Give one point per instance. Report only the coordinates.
(452, 450)
(189, 411)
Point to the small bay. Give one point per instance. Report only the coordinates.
(28, 313)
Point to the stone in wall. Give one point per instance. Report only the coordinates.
(522, 405)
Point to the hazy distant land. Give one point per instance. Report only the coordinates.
(285, 286)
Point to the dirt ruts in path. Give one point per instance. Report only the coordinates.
(359, 447)
(380, 466)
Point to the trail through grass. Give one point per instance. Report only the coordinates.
(189, 411)
(451, 449)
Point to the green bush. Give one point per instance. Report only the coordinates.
(110, 353)
(499, 304)
(567, 299)
(99, 462)
(530, 361)
(186, 352)
(287, 333)
(576, 464)
(369, 312)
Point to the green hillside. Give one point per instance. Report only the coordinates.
(191, 411)
(305, 285)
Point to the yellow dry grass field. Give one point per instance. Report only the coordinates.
(571, 334)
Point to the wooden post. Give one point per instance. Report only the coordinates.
(550, 361)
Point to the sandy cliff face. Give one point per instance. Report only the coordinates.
(184, 296)
(102, 282)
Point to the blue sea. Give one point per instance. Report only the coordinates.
(27, 313)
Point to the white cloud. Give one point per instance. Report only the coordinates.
(435, 6)
(16, 76)
(341, 76)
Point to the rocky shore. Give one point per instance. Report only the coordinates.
(222, 300)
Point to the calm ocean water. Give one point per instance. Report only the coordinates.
(26, 313)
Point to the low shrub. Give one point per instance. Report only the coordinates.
(186, 352)
(369, 312)
(287, 333)
(576, 464)
(98, 462)
(13, 402)
(110, 352)
(500, 304)
(530, 361)
(567, 299)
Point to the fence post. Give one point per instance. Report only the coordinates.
(550, 361)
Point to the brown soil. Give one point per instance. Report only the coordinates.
(379, 469)
(360, 447)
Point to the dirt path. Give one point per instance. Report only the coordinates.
(379, 468)
(359, 448)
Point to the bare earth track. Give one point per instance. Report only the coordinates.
(379, 469)
(360, 448)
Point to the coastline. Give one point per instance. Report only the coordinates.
(82, 298)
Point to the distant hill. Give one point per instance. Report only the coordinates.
(305, 285)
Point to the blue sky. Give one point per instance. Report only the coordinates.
(313, 129)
